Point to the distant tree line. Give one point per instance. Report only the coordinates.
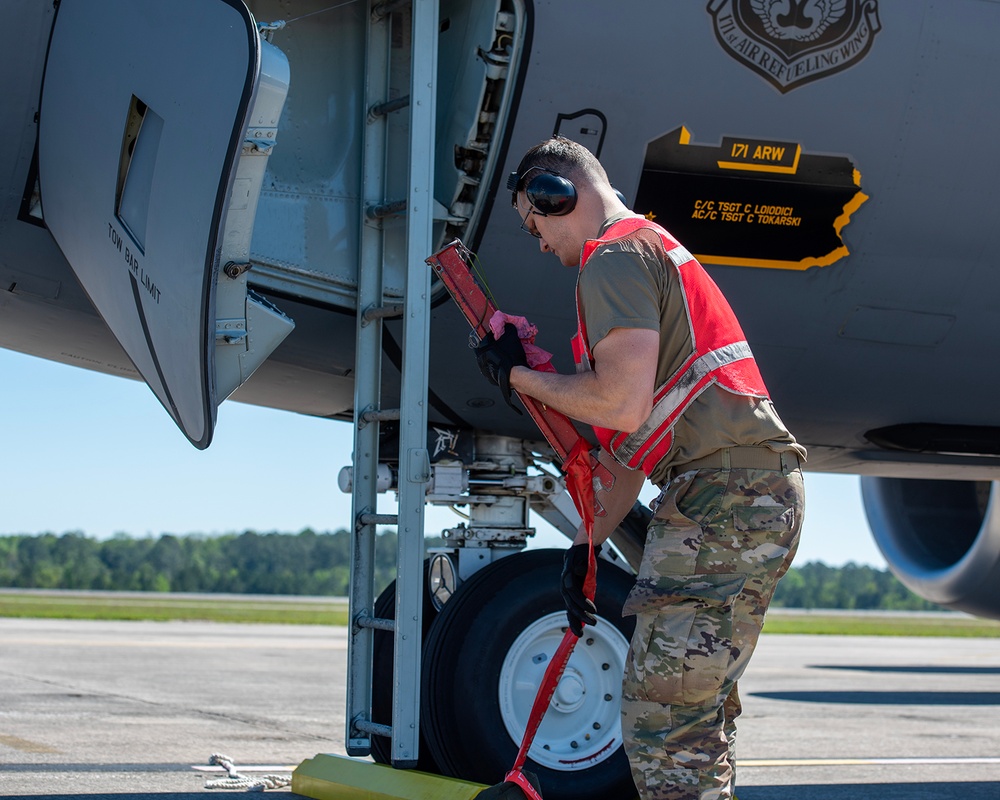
(852, 586)
(307, 563)
(312, 563)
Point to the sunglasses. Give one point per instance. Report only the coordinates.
(532, 231)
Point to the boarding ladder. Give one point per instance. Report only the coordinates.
(384, 121)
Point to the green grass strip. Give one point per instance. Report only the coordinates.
(174, 607)
(874, 624)
(320, 611)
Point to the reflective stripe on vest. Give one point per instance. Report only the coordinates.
(721, 354)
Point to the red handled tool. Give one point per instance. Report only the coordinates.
(580, 467)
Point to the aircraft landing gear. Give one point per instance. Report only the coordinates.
(482, 664)
(492, 618)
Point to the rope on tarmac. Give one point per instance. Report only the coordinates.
(237, 781)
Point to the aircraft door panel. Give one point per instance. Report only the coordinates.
(149, 188)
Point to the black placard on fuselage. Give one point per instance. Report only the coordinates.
(750, 202)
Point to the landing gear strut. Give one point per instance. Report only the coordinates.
(492, 618)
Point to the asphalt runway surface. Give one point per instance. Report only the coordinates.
(128, 710)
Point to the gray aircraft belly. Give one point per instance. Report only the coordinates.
(885, 331)
(890, 331)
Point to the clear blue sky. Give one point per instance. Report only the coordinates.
(98, 454)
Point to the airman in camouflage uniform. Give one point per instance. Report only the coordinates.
(718, 544)
(725, 528)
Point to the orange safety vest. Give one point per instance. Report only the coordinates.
(721, 354)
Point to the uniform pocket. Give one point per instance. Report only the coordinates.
(697, 497)
(682, 649)
(766, 536)
(763, 518)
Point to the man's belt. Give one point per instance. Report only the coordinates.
(742, 457)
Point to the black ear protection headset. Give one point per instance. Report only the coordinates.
(549, 193)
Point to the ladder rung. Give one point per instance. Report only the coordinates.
(378, 519)
(377, 623)
(381, 109)
(385, 8)
(382, 415)
(380, 312)
(379, 210)
(373, 727)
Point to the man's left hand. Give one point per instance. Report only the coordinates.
(497, 357)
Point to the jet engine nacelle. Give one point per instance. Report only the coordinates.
(941, 538)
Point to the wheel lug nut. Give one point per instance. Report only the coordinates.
(597, 726)
(590, 641)
(605, 667)
(607, 697)
(574, 745)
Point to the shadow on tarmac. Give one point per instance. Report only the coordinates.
(70, 767)
(203, 795)
(875, 791)
(918, 670)
(856, 791)
(889, 698)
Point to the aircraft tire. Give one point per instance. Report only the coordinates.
(382, 655)
(482, 665)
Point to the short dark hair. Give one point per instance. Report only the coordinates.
(560, 156)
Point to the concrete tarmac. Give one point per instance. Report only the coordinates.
(128, 710)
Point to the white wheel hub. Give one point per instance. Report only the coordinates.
(582, 726)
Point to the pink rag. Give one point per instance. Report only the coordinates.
(537, 357)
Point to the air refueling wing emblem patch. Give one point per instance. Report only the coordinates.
(793, 42)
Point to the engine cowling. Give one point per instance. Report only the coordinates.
(941, 538)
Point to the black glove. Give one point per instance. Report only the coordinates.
(508, 790)
(579, 609)
(497, 357)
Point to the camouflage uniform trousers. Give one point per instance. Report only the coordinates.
(715, 550)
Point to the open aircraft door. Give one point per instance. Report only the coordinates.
(155, 125)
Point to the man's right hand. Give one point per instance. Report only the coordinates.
(579, 608)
